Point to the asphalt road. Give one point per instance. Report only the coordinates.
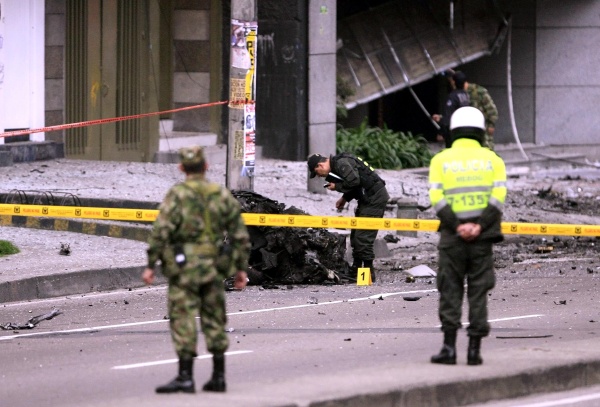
(114, 348)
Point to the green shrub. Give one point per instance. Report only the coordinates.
(384, 148)
(7, 248)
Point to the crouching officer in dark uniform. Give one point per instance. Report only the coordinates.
(188, 237)
(358, 180)
(467, 188)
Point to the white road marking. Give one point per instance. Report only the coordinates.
(372, 297)
(80, 296)
(505, 319)
(98, 328)
(167, 361)
(68, 331)
(561, 402)
(116, 326)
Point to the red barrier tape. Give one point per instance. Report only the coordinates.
(112, 120)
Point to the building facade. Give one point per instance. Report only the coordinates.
(66, 61)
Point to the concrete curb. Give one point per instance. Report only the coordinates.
(73, 283)
(506, 373)
(95, 228)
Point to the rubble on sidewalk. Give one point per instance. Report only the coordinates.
(287, 255)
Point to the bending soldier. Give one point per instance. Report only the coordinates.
(357, 180)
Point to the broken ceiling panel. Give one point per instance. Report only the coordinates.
(402, 43)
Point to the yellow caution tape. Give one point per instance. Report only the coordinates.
(139, 215)
(300, 221)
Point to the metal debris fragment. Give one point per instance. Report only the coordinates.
(391, 238)
(32, 322)
(525, 337)
(421, 271)
(65, 249)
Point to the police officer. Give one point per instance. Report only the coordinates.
(357, 180)
(200, 239)
(467, 190)
(457, 98)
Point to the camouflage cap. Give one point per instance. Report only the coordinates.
(191, 155)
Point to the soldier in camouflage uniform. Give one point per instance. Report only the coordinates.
(481, 99)
(200, 239)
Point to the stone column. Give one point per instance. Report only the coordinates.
(321, 82)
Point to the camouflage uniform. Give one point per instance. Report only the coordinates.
(481, 99)
(194, 219)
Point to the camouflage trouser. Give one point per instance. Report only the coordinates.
(362, 241)
(475, 262)
(184, 305)
(488, 141)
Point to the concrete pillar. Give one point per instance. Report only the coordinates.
(407, 209)
(2, 25)
(322, 28)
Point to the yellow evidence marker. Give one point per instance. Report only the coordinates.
(364, 276)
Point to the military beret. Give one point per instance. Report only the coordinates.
(191, 155)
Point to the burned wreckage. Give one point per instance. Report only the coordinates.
(288, 255)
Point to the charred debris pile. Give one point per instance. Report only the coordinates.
(288, 255)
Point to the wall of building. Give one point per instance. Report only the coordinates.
(192, 54)
(492, 73)
(555, 76)
(282, 99)
(54, 67)
(567, 74)
(22, 65)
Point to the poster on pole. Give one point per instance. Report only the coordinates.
(249, 139)
(244, 35)
(244, 38)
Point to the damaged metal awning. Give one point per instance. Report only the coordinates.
(402, 43)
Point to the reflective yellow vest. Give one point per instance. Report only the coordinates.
(467, 177)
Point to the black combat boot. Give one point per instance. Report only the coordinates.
(217, 382)
(356, 264)
(473, 356)
(369, 265)
(184, 382)
(447, 355)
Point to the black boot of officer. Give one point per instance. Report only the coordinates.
(369, 264)
(217, 381)
(447, 355)
(356, 264)
(473, 355)
(184, 381)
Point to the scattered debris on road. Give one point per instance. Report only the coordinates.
(32, 322)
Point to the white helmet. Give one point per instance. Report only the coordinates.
(467, 122)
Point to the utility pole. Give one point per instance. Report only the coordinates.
(242, 85)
